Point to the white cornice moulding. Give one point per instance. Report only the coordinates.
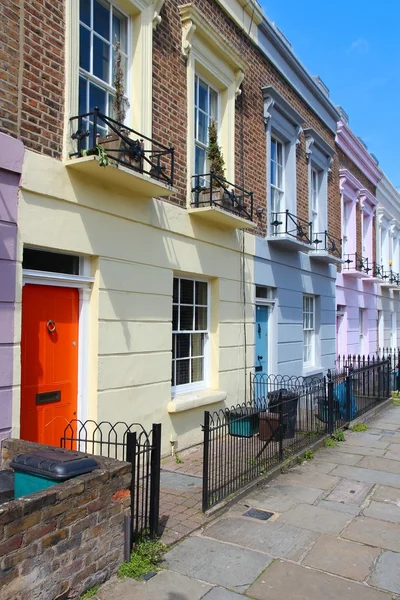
(194, 24)
(353, 148)
(349, 185)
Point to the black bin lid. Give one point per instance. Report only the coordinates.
(56, 464)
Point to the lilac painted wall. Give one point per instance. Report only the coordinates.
(11, 159)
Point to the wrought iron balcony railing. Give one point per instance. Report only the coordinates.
(96, 133)
(210, 189)
(377, 271)
(327, 242)
(287, 224)
(391, 277)
(356, 262)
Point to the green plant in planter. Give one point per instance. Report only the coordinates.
(120, 102)
(97, 151)
(214, 154)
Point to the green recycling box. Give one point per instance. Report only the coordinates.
(39, 470)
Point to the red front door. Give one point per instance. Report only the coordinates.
(49, 362)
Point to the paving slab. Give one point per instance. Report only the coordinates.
(166, 585)
(339, 458)
(222, 564)
(349, 492)
(287, 581)
(281, 497)
(394, 448)
(383, 493)
(351, 509)
(314, 466)
(316, 518)
(218, 593)
(383, 511)
(314, 480)
(393, 437)
(386, 574)
(364, 439)
(367, 475)
(392, 455)
(273, 537)
(363, 450)
(179, 481)
(341, 557)
(387, 425)
(374, 533)
(380, 464)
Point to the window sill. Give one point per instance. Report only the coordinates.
(310, 371)
(198, 399)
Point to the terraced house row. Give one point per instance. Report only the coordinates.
(181, 205)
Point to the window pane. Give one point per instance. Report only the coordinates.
(84, 11)
(84, 48)
(183, 345)
(202, 132)
(201, 293)
(182, 371)
(174, 338)
(273, 150)
(97, 97)
(197, 369)
(197, 344)
(187, 291)
(279, 177)
(101, 18)
(119, 30)
(200, 161)
(213, 104)
(175, 318)
(175, 290)
(101, 59)
(201, 318)
(186, 323)
(83, 96)
(279, 153)
(203, 96)
(173, 373)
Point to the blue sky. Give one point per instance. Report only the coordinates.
(354, 46)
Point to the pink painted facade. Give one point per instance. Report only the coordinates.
(11, 159)
(356, 284)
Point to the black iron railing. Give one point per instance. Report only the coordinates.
(328, 243)
(285, 416)
(210, 189)
(356, 262)
(131, 443)
(248, 440)
(377, 271)
(287, 224)
(391, 277)
(122, 145)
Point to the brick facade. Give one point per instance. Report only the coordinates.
(170, 98)
(61, 541)
(9, 65)
(32, 101)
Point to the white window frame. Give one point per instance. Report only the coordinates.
(314, 198)
(275, 189)
(361, 330)
(140, 62)
(198, 77)
(204, 383)
(308, 330)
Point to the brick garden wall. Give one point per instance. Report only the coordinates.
(59, 542)
(170, 112)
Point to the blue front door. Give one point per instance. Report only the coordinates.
(261, 357)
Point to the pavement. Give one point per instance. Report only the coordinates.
(327, 529)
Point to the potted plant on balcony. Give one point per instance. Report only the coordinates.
(127, 152)
(217, 167)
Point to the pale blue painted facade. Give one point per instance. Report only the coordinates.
(291, 274)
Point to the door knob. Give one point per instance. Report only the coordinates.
(259, 357)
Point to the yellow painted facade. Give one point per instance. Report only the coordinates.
(135, 246)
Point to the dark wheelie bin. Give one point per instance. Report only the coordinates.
(289, 401)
